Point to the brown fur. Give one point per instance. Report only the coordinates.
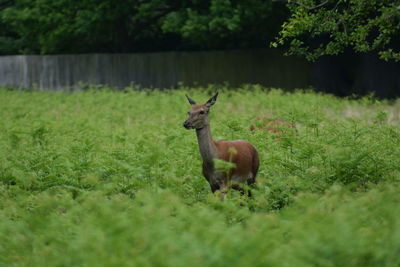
(245, 159)
(278, 127)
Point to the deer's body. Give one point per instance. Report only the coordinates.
(240, 152)
(276, 126)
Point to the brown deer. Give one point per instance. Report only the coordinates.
(278, 127)
(240, 152)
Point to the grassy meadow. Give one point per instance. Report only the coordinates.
(106, 178)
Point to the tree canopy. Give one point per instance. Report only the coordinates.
(66, 26)
(328, 27)
(310, 28)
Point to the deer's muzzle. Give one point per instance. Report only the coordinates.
(187, 125)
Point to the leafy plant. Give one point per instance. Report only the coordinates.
(112, 178)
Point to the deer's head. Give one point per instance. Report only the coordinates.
(198, 115)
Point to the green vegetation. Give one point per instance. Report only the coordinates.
(105, 178)
(328, 27)
(119, 26)
(310, 28)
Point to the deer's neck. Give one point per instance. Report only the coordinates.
(207, 147)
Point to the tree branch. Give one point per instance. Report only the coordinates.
(303, 5)
(139, 26)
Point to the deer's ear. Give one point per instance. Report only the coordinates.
(191, 101)
(212, 100)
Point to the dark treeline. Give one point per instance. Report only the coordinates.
(121, 26)
(309, 28)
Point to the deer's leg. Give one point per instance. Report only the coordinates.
(238, 188)
(214, 187)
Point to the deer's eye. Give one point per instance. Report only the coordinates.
(202, 112)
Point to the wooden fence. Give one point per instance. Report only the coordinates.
(341, 75)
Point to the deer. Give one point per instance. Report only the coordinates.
(241, 153)
(276, 126)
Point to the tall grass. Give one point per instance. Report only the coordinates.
(105, 178)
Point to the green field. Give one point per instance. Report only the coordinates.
(105, 178)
